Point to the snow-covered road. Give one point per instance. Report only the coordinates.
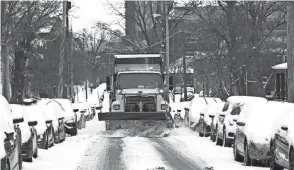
(156, 148)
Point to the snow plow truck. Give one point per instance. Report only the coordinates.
(137, 93)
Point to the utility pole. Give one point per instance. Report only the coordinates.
(85, 66)
(184, 67)
(68, 51)
(62, 51)
(167, 45)
(290, 59)
(1, 73)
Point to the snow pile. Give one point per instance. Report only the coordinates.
(140, 154)
(20, 112)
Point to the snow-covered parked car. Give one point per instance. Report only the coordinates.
(248, 112)
(258, 130)
(11, 152)
(213, 113)
(226, 121)
(282, 143)
(197, 114)
(55, 111)
(28, 133)
(70, 117)
(36, 112)
(79, 111)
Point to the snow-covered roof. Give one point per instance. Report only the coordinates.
(138, 56)
(282, 66)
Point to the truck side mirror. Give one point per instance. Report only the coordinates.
(108, 83)
(170, 83)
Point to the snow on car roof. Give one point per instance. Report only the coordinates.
(66, 104)
(6, 123)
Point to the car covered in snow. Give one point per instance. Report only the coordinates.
(70, 117)
(10, 155)
(80, 112)
(197, 114)
(282, 143)
(259, 128)
(226, 121)
(28, 133)
(36, 112)
(248, 111)
(86, 110)
(56, 112)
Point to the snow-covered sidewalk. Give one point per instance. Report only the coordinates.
(68, 154)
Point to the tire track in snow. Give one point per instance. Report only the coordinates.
(176, 160)
(104, 154)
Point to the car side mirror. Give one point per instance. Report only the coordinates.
(211, 116)
(48, 121)
(33, 123)
(17, 120)
(108, 83)
(284, 127)
(75, 110)
(222, 114)
(61, 118)
(9, 136)
(240, 123)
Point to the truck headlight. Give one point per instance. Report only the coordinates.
(164, 106)
(116, 106)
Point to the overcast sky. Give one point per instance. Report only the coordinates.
(87, 12)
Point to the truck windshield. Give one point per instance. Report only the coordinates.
(139, 80)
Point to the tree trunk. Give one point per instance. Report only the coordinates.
(18, 78)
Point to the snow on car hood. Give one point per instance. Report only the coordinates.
(66, 104)
(261, 125)
(37, 113)
(144, 91)
(6, 120)
(20, 112)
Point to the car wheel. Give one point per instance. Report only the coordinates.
(247, 160)
(203, 130)
(237, 157)
(273, 164)
(75, 132)
(218, 140)
(35, 155)
(187, 121)
(45, 141)
(225, 141)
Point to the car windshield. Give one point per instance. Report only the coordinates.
(139, 80)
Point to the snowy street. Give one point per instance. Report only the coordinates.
(155, 148)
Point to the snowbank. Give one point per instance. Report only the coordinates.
(20, 112)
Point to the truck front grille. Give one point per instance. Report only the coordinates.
(133, 104)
